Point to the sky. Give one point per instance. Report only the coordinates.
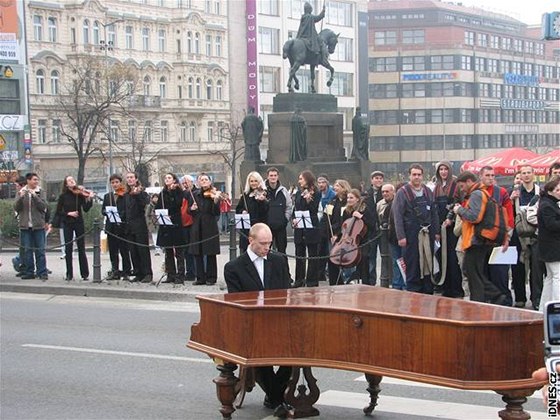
(529, 12)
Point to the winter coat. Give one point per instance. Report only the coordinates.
(548, 239)
(205, 226)
(172, 201)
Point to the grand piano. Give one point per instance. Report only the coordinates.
(377, 331)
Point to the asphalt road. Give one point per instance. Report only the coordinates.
(65, 357)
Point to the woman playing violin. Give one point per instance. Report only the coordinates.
(72, 202)
(254, 203)
(306, 237)
(333, 222)
(205, 240)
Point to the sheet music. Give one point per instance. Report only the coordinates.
(499, 257)
(113, 214)
(303, 219)
(162, 216)
(242, 221)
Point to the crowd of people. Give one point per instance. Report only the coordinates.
(424, 230)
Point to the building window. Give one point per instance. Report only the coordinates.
(209, 89)
(469, 38)
(385, 38)
(482, 39)
(192, 131)
(480, 64)
(268, 7)
(189, 42)
(85, 30)
(506, 43)
(190, 84)
(146, 84)
(218, 7)
(161, 40)
(145, 39)
(52, 29)
(42, 131)
(442, 62)
(344, 50)
(131, 130)
(197, 43)
(343, 84)
(210, 131)
(164, 131)
(518, 45)
(339, 13)
(413, 37)
(38, 28)
(56, 131)
(96, 33)
(208, 6)
(268, 40)
(218, 46)
(162, 87)
(269, 79)
(208, 45)
(494, 41)
(113, 130)
(183, 132)
(55, 78)
(466, 62)
(198, 89)
(219, 90)
(384, 64)
(128, 38)
(147, 131)
(413, 63)
(413, 90)
(40, 81)
(111, 35)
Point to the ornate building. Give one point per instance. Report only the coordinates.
(176, 115)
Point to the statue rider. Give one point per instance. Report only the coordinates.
(307, 32)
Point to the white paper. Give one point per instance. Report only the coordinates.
(303, 219)
(242, 221)
(402, 267)
(162, 216)
(499, 257)
(113, 214)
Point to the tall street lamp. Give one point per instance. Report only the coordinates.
(106, 46)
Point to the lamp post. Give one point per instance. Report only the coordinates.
(106, 46)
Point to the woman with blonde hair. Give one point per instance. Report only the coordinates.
(254, 203)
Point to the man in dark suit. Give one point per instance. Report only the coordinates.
(256, 270)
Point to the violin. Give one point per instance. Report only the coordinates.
(80, 190)
(212, 193)
(136, 189)
(347, 252)
(120, 191)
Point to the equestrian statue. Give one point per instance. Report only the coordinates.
(310, 48)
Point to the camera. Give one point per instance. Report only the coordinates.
(552, 336)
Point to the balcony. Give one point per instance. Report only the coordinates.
(146, 101)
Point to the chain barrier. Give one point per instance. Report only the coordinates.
(162, 247)
(18, 244)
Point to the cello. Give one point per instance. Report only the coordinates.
(346, 252)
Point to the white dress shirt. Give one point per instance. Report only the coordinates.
(258, 262)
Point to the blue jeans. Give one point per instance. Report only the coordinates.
(33, 242)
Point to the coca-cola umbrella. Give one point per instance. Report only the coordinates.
(541, 163)
(505, 162)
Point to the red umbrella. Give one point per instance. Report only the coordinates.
(541, 163)
(504, 162)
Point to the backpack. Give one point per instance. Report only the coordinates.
(526, 217)
(492, 229)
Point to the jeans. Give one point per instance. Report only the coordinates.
(33, 241)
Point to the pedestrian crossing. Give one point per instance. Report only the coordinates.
(425, 408)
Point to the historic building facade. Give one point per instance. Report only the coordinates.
(179, 110)
(456, 83)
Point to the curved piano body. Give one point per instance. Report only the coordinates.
(380, 332)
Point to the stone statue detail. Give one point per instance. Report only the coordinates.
(253, 128)
(310, 48)
(360, 136)
(298, 137)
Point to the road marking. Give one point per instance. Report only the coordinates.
(415, 407)
(119, 353)
(395, 381)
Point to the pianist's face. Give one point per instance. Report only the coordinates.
(262, 241)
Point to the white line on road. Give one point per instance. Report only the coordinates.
(118, 353)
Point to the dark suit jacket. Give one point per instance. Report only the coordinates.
(242, 276)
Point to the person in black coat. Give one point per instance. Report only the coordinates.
(115, 231)
(72, 202)
(332, 222)
(242, 275)
(253, 202)
(136, 229)
(548, 239)
(307, 237)
(170, 237)
(205, 234)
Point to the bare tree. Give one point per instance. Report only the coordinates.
(231, 137)
(96, 92)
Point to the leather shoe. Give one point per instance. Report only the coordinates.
(269, 404)
(147, 279)
(199, 282)
(27, 277)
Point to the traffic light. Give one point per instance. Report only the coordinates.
(551, 26)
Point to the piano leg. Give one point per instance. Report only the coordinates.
(373, 389)
(225, 388)
(303, 401)
(514, 399)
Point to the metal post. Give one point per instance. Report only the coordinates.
(96, 239)
(232, 239)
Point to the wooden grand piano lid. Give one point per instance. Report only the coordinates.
(382, 301)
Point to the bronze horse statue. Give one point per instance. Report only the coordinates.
(296, 52)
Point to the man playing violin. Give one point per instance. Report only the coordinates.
(115, 231)
(135, 200)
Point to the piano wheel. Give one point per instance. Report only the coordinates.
(245, 384)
